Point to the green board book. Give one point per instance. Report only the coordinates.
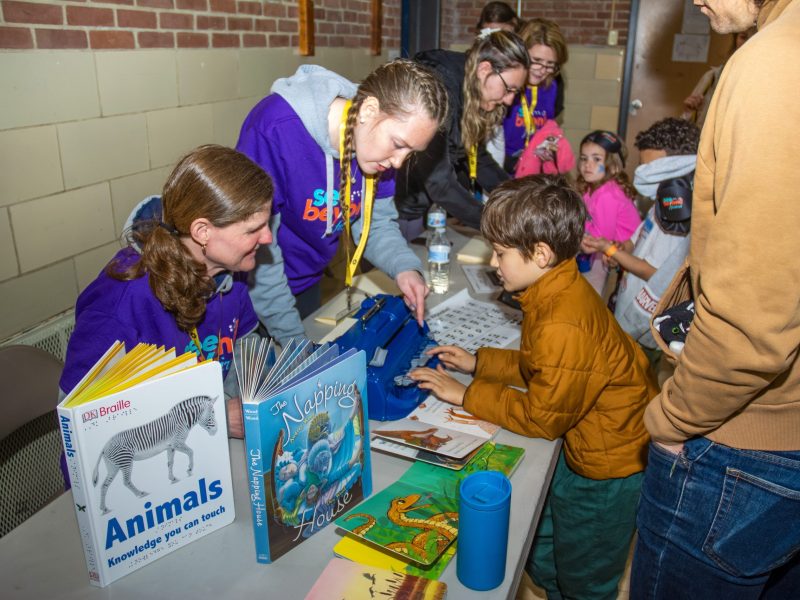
(416, 517)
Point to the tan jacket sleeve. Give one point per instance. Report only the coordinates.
(500, 365)
(745, 249)
(562, 388)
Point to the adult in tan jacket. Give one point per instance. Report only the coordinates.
(720, 509)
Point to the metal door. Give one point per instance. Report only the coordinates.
(654, 86)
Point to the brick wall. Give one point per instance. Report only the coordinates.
(583, 21)
(136, 24)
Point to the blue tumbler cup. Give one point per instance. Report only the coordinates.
(584, 262)
(483, 513)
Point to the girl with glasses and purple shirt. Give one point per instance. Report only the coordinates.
(547, 50)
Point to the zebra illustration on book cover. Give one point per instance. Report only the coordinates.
(166, 433)
(140, 409)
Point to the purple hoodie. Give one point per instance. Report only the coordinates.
(514, 123)
(109, 310)
(274, 136)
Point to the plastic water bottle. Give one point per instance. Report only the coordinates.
(437, 218)
(439, 261)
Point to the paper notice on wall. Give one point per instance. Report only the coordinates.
(690, 48)
(694, 21)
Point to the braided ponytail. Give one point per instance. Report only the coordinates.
(402, 88)
(349, 151)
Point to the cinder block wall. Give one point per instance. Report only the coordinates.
(100, 99)
(593, 83)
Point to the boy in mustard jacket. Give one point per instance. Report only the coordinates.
(576, 375)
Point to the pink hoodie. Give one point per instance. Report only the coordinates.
(539, 156)
(613, 214)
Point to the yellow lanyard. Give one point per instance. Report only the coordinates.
(527, 112)
(196, 339)
(366, 203)
(472, 159)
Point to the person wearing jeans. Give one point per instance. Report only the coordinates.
(719, 514)
(713, 522)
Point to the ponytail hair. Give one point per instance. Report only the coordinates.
(503, 50)
(402, 88)
(212, 182)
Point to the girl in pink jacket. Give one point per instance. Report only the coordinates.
(608, 195)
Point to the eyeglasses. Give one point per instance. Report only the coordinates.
(509, 90)
(550, 67)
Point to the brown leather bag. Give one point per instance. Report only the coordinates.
(679, 290)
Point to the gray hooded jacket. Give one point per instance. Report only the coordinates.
(631, 316)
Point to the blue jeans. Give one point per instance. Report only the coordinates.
(717, 522)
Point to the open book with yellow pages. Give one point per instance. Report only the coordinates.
(145, 437)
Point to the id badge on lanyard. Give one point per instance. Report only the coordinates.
(527, 112)
(472, 160)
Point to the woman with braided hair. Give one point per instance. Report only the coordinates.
(331, 147)
(456, 167)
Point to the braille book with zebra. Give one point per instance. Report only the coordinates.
(307, 439)
(145, 436)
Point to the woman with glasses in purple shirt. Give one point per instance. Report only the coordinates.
(547, 50)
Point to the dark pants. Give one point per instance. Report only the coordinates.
(584, 535)
(717, 522)
(309, 300)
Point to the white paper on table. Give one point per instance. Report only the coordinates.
(374, 282)
(472, 324)
(341, 328)
(442, 414)
(478, 277)
(476, 251)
